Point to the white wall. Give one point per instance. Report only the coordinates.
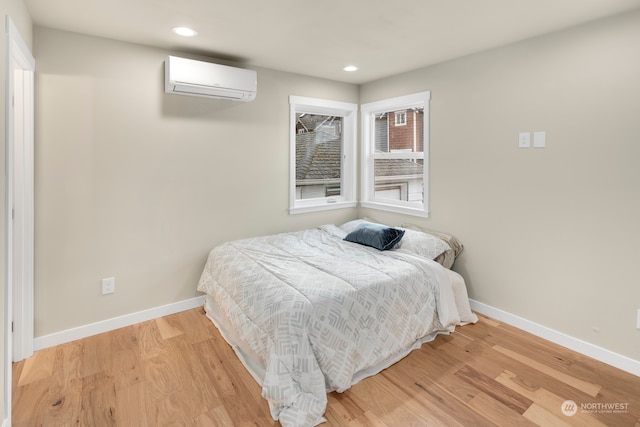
(550, 234)
(20, 17)
(138, 184)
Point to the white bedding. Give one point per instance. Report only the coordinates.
(317, 313)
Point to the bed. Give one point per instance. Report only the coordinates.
(318, 310)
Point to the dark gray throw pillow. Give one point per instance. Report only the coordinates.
(375, 235)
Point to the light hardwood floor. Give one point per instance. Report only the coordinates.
(178, 371)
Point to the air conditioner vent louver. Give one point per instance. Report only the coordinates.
(205, 79)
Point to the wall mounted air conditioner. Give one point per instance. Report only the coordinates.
(197, 78)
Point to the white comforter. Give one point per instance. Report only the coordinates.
(317, 310)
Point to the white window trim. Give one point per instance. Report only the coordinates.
(368, 199)
(299, 104)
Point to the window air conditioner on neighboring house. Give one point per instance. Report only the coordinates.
(197, 78)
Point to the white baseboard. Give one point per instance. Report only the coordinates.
(73, 334)
(606, 356)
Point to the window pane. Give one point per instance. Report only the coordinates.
(395, 158)
(394, 136)
(319, 141)
(399, 178)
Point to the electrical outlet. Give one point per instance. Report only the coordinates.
(108, 285)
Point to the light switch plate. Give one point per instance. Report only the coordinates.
(539, 139)
(524, 140)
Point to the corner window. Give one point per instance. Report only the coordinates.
(322, 153)
(395, 149)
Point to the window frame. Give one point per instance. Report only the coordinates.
(391, 105)
(349, 112)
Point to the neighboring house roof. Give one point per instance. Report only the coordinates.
(318, 157)
(397, 167)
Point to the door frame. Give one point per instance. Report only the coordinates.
(19, 204)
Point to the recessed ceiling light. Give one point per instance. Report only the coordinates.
(350, 68)
(184, 31)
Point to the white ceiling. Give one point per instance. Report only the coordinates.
(318, 38)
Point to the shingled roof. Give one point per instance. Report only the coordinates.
(397, 167)
(318, 156)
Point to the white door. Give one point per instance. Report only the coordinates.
(22, 214)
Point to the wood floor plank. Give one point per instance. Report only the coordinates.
(65, 386)
(124, 338)
(167, 329)
(585, 386)
(367, 419)
(197, 388)
(540, 416)
(64, 404)
(476, 354)
(489, 386)
(214, 367)
(178, 370)
(127, 368)
(436, 367)
(169, 411)
(613, 381)
(421, 402)
(162, 377)
(543, 351)
(441, 397)
(497, 412)
(546, 400)
(131, 402)
(195, 324)
(530, 375)
(397, 406)
(488, 320)
(384, 400)
(217, 416)
(150, 342)
(98, 400)
(28, 405)
(69, 361)
(441, 388)
(341, 409)
(38, 367)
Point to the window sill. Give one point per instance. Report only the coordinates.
(322, 207)
(396, 209)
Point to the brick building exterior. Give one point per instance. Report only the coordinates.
(405, 129)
